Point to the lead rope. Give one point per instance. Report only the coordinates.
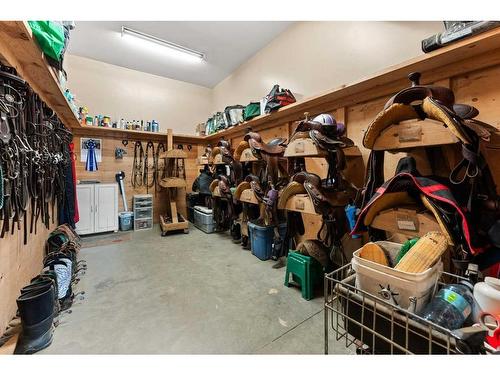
(135, 179)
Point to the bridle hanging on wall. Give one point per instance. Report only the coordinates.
(136, 175)
(149, 173)
(34, 155)
(160, 168)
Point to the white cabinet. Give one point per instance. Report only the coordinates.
(85, 196)
(98, 208)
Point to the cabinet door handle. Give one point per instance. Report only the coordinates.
(96, 209)
(91, 209)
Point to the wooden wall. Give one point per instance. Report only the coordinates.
(478, 88)
(19, 263)
(110, 166)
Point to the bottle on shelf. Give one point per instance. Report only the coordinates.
(155, 126)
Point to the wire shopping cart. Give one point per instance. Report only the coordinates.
(375, 326)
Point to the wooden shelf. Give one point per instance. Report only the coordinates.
(218, 160)
(352, 151)
(301, 203)
(188, 139)
(19, 48)
(406, 221)
(202, 160)
(173, 154)
(131, 135)
(173, 182)
(305, 147)
(414, 133)
(248, 196)
(247, 156)
(101, 131)
(434, 66)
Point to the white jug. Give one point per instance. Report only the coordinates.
(487, 295)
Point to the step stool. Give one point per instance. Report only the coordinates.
(304, 270)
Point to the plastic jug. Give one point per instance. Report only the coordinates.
(451, 306)
(487, 295)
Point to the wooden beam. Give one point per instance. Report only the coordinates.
(173, 210)
(478, 52)
(19, 48)
(170, 140)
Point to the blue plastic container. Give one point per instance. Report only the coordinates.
(261, 239)
(126, 219)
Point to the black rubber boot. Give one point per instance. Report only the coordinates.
(62, 268)
(236, 232)
(245, 242)
(280, 263)
(36, 309)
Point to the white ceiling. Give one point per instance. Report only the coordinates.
(226, 45)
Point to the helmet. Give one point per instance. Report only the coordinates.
(325, 119)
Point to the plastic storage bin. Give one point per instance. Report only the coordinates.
(190, 212)
(204, 219)
(373, 277)
(261, 239)
(143, 211)
(143, 224)
(126, 220)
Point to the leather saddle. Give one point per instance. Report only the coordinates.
(311, 184)
(275, 146)
(271, 153)
(329, 136)
(328, 202)
(428, 101)
(223, 206)
(224, 148)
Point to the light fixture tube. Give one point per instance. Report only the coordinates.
(161, 42)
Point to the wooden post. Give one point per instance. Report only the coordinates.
(340, 115)
(173, 210)
(170, 139)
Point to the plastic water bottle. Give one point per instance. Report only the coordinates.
(451, 306)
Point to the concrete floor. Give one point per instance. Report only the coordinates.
(187, 294)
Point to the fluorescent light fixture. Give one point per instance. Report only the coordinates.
(164, 43)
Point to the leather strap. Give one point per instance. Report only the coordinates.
(137, 171)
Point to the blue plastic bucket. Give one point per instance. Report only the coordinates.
(261, 239)
(125, 220)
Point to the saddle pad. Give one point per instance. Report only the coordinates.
(424, 254)
(203, 209)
